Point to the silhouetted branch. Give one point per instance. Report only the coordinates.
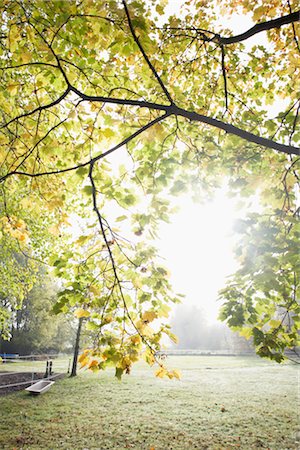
(290, 150)
(136, 39)
(258, 28)
(40, 108)
(224, 77)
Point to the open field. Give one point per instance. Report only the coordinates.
(220, 403)
(20, 365)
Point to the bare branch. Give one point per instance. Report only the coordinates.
(295, 123)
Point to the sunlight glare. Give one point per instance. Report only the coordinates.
(198, 249)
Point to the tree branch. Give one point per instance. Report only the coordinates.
(136, 39)
(93, 160)
(290, 150)
(224, 77)
(30, 64)
(120, 101)
(113, 263)
(40, 108)
(175, 110)
(169, 110)
(294, 30)
(258, 28)
(39, 142)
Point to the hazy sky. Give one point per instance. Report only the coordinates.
(198, 249)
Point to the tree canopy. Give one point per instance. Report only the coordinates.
(107, 110)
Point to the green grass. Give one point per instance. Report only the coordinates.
(220, 403)
(59, 365)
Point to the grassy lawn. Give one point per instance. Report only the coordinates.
(220, 403)
(59, 365)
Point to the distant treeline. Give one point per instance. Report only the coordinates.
(194, 333)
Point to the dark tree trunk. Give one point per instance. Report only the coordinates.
(76, 349)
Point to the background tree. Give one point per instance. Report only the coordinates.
(34, 328)
(183, 105)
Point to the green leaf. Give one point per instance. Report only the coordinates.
(119, 373)
(88, 190)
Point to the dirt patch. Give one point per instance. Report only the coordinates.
(11, 382)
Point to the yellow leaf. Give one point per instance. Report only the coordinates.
(20, 224)
(136, 339)
(173, 338)
(26, 203)
(149, 357)
(164, 311)
(72, 114)
(144, 329)
(54, 230)
(176, 374)
(83, 356)
(94, 289)
(246, 332)
(258, 13)
(94, 106)
(84, 362)
(134, 356)
(13, 88)
(125, 363)
(81, 313)
(26, 57)
(161, 372)
(149, 316)
(147, 331)
(275, 323)
(139, 325)
(108, 319)
(22, 237)
(94, 363)
(108, 132)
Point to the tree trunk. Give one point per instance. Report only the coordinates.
(76, 349)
